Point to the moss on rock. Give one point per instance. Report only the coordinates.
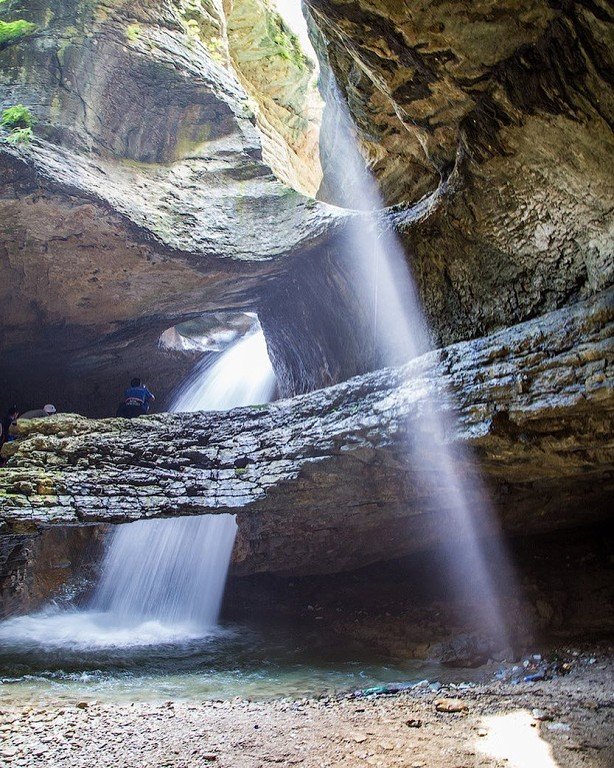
(11, 31)
(16, 117)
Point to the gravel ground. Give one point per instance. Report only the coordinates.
(574, 721)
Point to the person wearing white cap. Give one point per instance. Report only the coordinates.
(39, 413)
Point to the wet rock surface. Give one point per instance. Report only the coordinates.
(55, 565)
(416, 608)
(141, 200)
(324, 482)
(511, 103)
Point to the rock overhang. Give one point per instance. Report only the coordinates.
(324, 481)
(198, 222)
(142, 199)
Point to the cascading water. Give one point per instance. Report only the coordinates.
(163, 580)
(169, 571)
(386, 286)
(242, 375)
(175, 570)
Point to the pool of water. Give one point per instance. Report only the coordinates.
(70, 655)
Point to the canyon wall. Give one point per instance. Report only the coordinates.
(510, 105)
(145, 196)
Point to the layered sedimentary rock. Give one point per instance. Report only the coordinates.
(141, 200)
(281, 80)
(326, 481)
(511, 103)
(56, 563)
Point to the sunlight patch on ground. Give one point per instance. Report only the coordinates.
(513, 737)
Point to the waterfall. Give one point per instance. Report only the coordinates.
(170, 571)
(174, 571)
(388, 292)
(241, 375)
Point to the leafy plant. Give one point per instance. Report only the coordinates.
(16, 117)
(20, 136)
(18, 120)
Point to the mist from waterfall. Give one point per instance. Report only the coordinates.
(388, 292)
(174, 570)
(162, 581)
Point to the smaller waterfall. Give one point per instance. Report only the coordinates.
(171, 571)
(162, 580)
(174, 571)
(241, 375)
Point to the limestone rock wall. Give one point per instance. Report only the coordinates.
(325, 482)
(142, 199)
(57, 563)
(509, 103)
(281, 80)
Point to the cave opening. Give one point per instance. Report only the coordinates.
(377, 324)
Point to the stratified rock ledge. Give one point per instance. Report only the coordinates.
(324, 482)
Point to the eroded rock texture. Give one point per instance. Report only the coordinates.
(325, 482)
(141, 201)
(281, 80)
(512, 102)
(144, 199)
(54, 564)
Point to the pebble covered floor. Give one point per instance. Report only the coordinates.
(573, 714)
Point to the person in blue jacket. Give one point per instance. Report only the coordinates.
(136, 400)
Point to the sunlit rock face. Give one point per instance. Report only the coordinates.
(142, 200)
(511, 102)
(281, 81)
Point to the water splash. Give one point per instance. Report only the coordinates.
(169, 571)
(163, 580)
(174, 571)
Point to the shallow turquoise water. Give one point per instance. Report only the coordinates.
(41, 659)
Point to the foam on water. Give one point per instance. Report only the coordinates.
(168, 571)
(162, 581)
(90, 630)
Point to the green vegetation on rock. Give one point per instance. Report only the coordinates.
(16, 117)
(18, 120)
(287, 43)
(133, 32)
(14, 30)
(20, 136)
